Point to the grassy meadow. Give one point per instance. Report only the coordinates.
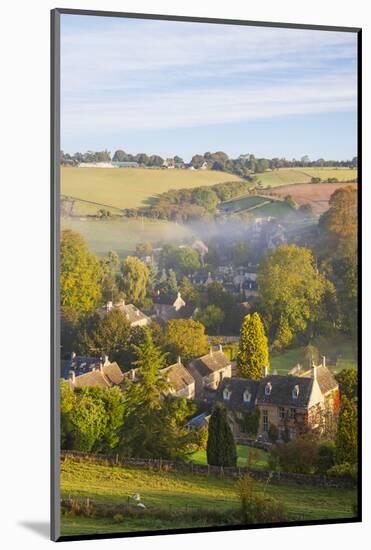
(122, 235)
(342, 348)
(259, 459)
(131, 187)
(288, 176)
(173, 490)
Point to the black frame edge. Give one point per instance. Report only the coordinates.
(54, 288)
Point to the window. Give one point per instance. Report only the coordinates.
(268, 388)
(265, 420)
(246, 396)
(226, 394)
(295, 392)
(292, 413)
(281, 413)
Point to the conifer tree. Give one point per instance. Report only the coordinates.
(253, 352)
(221, 447)
(346, 436)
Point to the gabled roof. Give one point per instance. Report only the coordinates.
(281, 392)
(213, 361)
(237, 388)
(134, 314)
(325, 378)
(178, 376)
(104, 377)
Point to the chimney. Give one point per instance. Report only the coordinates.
(106, 361)
(132, 374)
(314, 371)
(73, 355)
(265, 371)
(220, 347)
(101, 365)
(179, 360)
(72, 376)
(211, 351)
(323, 360)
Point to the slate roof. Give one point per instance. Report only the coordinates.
(237, 387)
(211, 362)
(167, 312)
(178, 376)
(80, 365)
(282, 388)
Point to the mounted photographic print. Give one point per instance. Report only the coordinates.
(205, 349)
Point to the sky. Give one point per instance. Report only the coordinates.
(167, 88)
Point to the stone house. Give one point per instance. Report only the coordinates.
(209, 370)
(105, 376)
(135, 317)
(181, 382)
(291, 403)
(167, 309)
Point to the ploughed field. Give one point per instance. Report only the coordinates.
(129, 187)
(316, 194)
(173, 491)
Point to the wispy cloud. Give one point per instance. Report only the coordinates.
(153, 74)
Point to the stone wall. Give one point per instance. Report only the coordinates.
(189, 467)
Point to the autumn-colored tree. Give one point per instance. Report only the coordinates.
(185, 338)
(80, 277)
(253, 352)
(341, 218)
(348, 383)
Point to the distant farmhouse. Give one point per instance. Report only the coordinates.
(209, 370)
(291, 403)
(135, 317)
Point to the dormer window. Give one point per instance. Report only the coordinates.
(227, 394)
(295, 392)
(246, 396)
(268, 388)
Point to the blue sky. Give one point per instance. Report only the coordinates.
(184, 88)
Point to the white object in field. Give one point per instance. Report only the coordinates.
(140, 505)
(136, 497)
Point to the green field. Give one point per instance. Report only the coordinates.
(243, 203)
(122, 235)
(343, 348)
(172, 490)
(243, 451)
(131, 187)
(287, 176)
